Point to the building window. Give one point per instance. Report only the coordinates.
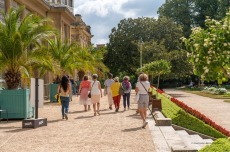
(64, 2)
(65, 31)
(71, 3)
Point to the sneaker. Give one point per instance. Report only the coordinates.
(144, 124)
(66, 116)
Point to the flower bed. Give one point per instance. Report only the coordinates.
(175, 113)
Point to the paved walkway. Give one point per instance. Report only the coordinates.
(216, 109)
(83, 132)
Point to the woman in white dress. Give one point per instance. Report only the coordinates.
(107, 84)
(96, 94)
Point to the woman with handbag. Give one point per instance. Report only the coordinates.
(142, 88)
(96, 94)
(84, 89)
(115, 88)
(64, 91)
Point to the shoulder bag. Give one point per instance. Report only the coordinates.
(89, 95)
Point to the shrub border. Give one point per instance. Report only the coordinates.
(195, 113)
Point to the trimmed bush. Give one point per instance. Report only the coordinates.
(186, 120)
(181, 118)
(220, 145)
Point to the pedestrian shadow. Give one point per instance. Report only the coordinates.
(135, 116)
(132, 129)
(84, 117)
(108, 113)
(53, 121)
(73, 112)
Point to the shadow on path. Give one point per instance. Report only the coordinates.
(177, 95)
(84, 117)
(132, 129)
(53, 121)
(19, 130)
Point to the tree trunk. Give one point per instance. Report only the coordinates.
(12, 79)
(81, 74)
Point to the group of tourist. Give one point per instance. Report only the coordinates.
(114, 91)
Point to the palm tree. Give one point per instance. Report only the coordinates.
(63, 56)
(89, 60)
(19, 38)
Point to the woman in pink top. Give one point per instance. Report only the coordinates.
(84, 89)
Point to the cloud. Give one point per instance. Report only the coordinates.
(100, 7)
(103, 15)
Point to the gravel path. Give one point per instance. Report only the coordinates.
(83, 132)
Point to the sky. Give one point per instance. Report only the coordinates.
(103, 15)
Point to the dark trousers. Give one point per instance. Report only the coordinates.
(64, 105)
(126, 97)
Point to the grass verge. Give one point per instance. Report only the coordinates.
(227, 101)
(181, 118)
(220, 145)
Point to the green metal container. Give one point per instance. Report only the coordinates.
(53, 90)
(17, 103)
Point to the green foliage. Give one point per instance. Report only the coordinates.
(157, 38)
(183, 119)
(156, 68)
(219, 145)
(19, 41)
(192, 13)
(209, 50)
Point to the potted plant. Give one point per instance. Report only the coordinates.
(20, 39)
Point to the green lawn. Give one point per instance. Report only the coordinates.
(199, 92)
(220, 145)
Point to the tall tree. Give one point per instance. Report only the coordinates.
(153, 35)
(180, 11)
(191, 13)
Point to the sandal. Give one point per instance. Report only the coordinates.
(98, 112)
(94, 113)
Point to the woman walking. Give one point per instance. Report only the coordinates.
(107, 84)
(64, 91)
(84, 91)
(115, 86)
(142, 88)
(96, 94)
(126, 85)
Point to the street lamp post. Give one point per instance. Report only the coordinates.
(141, 54)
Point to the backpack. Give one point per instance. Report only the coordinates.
(125, 87)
